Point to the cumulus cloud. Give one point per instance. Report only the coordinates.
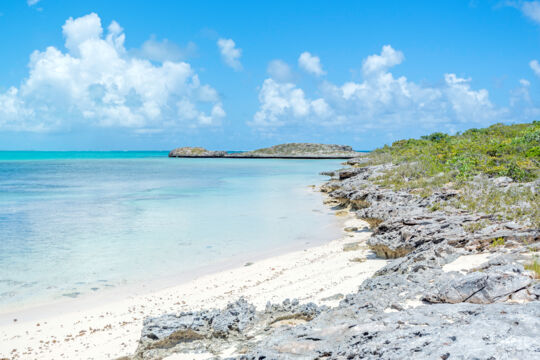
(230, 53)
(279, 70)
(86, 28)
(535, 66)
(281, 101)
(375, 64)
(97, 83)
(531, 9)
(311, 64)
(379, 101)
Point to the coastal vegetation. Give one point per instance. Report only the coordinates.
(475, 163)
(534, 266)
(499, 150)
(292, 149)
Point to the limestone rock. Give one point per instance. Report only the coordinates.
(195, 152)
(496, 283)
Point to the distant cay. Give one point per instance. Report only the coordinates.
(282, 151)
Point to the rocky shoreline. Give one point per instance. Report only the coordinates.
(451, 290)
(282, 151)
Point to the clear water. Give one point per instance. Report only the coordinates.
(77, 223)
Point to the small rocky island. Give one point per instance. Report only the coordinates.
(283, 151)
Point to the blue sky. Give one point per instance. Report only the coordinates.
(123, 75)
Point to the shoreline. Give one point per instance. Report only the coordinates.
(57, 306)
(151, 285)
(106, 328)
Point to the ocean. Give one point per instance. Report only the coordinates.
(74, 224)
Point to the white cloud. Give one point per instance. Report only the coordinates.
(523, 104)
(311, 64)
(97, 83)
(165, 50)
(521, 94)
(535, 66)
(531, 9)
(279, 70)
(82, 30)
(230, 53)
(283, 101)
(32, 2)
(379, 101)
(375, 64)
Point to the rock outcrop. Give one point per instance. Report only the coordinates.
(195, 152)
(301, 150)
(283, 151)
(487, 285)
(215, 330)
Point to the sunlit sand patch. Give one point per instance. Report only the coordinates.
(466, 262)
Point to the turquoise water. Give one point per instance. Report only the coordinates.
(79, 223)
(62, 155)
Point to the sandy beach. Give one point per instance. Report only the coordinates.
(321, 274)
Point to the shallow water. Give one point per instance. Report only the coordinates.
(78, 223)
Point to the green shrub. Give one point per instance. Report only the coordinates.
(497, 242)
(534, 266)
(499, 150)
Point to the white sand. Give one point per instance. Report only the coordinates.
(467, 262)
(111, 330)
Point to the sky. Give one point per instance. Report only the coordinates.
(239, 75)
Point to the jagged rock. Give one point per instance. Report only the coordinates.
(460, 331)
(343, 173)
(399, 236)
(495, 283)
(424, 258)
(212, 330)
(348, 173)
(357, 161)
(503, 181)
(535, 290)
